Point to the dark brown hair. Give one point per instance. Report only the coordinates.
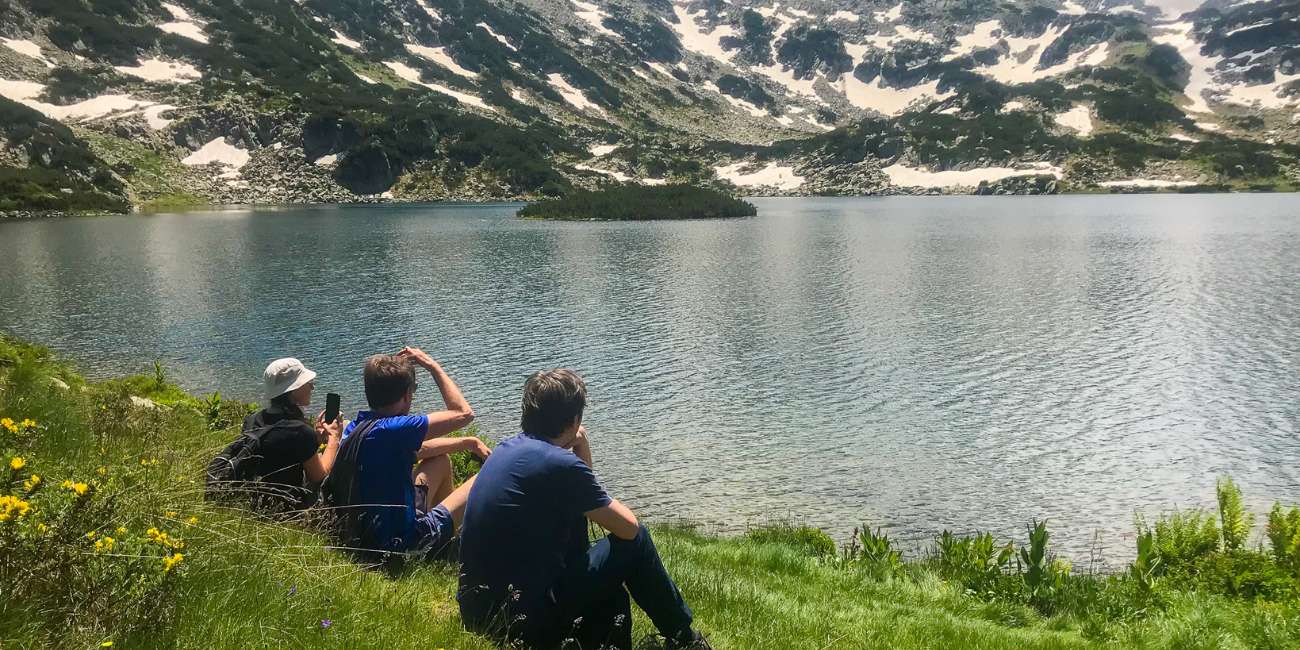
(387, 378)
(553, 399)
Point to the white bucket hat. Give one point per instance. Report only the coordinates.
(284, 375)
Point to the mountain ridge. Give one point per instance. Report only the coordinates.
(280, 101)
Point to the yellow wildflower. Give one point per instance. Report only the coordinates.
(8, 424)
(32, 483)
(121, 530)
(171, 514)
(12, 507)
(170, 561)
(92, 534)
(105, 545)
(17, 462)
(41, 528)
(78, 487)
(106, 644)
(27, 423)
(102, 471)
(192, 520)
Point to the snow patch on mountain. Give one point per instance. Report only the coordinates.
(699, 41)
(182, 24)
(412, 75)
(156, 69)
(737, 102)
(488, 28)
(891, 15)
(218, 151)
(28, 49)
(618, 176)
(26, 92)
(602, 150)
(571, 94)
(845, 16)
(440, 56)
(342, 39)
(433, 13)
(773, 174)
(1078, 118)
(1181, 37)
(594, 16)
(981, 36)
(888, 101)
(1021, 64)
(1182, 137)
(903, 176)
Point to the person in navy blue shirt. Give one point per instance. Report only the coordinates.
(529, 576)
(404, 510)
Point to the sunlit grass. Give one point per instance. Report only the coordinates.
(246, 582)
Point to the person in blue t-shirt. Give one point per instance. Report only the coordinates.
(528, 574)
(407, 510)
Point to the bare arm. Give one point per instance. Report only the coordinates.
(442, 446)
(617, 519)
(458, 413)
(319, 465)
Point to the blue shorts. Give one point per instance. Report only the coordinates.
(435, 532)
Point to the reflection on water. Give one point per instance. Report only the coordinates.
(919, 363)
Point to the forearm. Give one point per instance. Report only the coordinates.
(442, 447)
(451, 395)
(329, 454)
(583, 451)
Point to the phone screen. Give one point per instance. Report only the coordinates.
(331, 407)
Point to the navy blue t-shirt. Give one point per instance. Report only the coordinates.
(523, 524)
(383, 478)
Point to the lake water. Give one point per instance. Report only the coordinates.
(917, 363)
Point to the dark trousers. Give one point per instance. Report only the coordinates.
(591, 598)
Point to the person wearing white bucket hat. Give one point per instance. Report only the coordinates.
(291, 462)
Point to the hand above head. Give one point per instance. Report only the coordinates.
(418, 357)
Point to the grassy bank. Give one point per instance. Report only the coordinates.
(181, 573)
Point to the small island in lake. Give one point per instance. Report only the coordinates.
(631, 202)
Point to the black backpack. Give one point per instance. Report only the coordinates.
(339, 491)
(234, 475)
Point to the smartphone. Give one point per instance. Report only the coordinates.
(331, 407)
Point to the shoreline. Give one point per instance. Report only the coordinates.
(34, 215)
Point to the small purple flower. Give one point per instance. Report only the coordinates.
(293, 591)
(325, 624)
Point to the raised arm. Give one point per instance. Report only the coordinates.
(441, 446)
(458, 413)
(319, 465)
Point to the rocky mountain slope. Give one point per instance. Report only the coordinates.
(111, 103)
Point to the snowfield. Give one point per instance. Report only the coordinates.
(218, 151)
(903, 176)
(407, 73)
(156, 69)
(771, 175)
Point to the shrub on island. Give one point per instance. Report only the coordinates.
(630, 202)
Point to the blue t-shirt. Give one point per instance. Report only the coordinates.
(523, 524)
(383, 477)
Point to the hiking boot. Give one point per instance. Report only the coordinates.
(688, 640)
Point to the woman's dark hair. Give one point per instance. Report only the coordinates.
(553, 399)
(284, 402)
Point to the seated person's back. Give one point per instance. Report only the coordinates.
(399, 509)
(528, 572)
(525, 520)
(289, 463)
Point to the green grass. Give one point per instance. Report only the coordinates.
(251, 583)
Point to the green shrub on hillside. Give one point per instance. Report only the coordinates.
(1234, 520)
(631, 202)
